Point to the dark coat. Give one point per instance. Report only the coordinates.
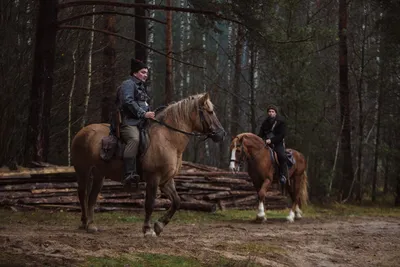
(132, 101)
(277, 134)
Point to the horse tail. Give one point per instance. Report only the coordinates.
(304, 189)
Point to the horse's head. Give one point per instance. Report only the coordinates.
(238, 152)
(206, 120)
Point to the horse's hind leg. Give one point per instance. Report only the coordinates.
(170, 191)
(151, 192)
(83, 180)
(297, 211)
(294, 195)
(96, 185)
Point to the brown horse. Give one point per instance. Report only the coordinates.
(250, 147)
(160, 162)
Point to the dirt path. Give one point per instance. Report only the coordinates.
(359, 241)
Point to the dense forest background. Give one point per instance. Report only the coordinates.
(332, 67)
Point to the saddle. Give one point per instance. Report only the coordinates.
(113, 147)
(289, 157)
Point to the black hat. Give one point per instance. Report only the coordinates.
(137, 65)
(272, 107)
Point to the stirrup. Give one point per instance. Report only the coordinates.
(132, 178)
(283, 179)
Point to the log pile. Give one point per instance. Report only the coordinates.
(201, 188)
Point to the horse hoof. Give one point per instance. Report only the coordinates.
(150, 233)
(261, 219)
(82, 227)
(92, 229)
(290, 219)
(298, 217)
(158, 227)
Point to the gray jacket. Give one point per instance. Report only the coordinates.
(132, 101)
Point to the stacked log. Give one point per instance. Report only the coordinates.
(201, 188)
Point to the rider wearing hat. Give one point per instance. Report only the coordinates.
(132, 100)
(273, 131)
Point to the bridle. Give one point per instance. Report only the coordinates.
(208, 134)
(242, 156)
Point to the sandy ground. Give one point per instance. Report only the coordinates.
(356, 241)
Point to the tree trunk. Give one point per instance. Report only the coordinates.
(182, 36)
(140, 32)
(344, 101)
(253, 88)
(397, 200)
(168, 75)
(150, 55)
(109, 57)
(89, 80)
(71, 94)
(386, 181)
(37, 142)
(235, 122)
(358, 189)
(378, 136)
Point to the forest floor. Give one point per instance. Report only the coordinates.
(335, 236)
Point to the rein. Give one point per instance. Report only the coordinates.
(188, 133)
(177, 130)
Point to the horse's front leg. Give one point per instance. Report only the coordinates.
(170, 191)
(151, 192)
(261, 197)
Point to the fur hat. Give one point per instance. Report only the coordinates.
(137, 65)
(272, 107)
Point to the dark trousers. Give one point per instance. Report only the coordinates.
(130, 135)
(281, 153)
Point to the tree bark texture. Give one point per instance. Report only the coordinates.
(109, 57)
(37, 143)
(344, 101)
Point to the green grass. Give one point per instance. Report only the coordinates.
(349, 210)
(143, 260)
(184, 217)
(162, 260)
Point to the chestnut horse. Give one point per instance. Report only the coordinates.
(252, 148)
(160, 162)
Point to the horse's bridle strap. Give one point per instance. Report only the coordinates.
(177, 130)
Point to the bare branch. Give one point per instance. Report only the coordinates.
(107, 12)
(214, 13)
(128, 39)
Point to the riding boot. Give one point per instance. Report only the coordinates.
(284, 172)
(131, 177)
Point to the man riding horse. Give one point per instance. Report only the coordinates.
(132, 104)
(273, 131)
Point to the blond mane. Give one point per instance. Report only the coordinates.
(181, 110)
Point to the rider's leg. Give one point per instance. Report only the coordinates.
(130, 135)
(280, 151)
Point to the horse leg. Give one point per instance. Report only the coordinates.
(170, 191)
(83, 179)
(298, 211)
(292, 189)
(151, 193)
(261, 197)
(95, 190)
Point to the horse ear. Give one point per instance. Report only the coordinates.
(205, 97)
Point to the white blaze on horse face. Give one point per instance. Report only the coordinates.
(233, 159)
(261, 212)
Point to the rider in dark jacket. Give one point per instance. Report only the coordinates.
(132, 100)
(273, 131)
